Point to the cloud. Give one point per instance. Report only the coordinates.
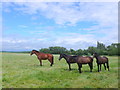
(69, 14)
(21, 44)
(23, 26)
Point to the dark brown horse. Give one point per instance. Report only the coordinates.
(42, 56)
(100, 61)
(85, 60)
(79, 60)
(69, 59)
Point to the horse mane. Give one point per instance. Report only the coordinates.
(96, 54)
(35, 50)
(64, 54)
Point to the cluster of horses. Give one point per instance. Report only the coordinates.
(74, 59)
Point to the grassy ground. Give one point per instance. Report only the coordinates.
(23, 71)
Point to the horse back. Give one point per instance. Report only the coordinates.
(45, 56)
(49, 55)
(72, 59)
(103, 59)
(84, 60)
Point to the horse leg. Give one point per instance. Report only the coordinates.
(108, 66)
(40, 62)
(80, 66)
(90, 65)
(104, 66)
(69, 66)
(100, 67)
(51, 61)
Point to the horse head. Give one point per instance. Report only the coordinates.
(33, 51)
(95, 55)
(61, 56)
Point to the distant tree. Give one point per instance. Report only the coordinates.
(45, 50)
(85, 52)
(101, 49)
(79, 52)
(113, 49)
(57, 50)
(100, 46)
(72, 52)
(92, 50)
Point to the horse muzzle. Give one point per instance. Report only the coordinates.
(31, 54)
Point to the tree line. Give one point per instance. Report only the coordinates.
(113, 49)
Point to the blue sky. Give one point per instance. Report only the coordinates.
(76, 25)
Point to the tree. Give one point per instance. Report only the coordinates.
(79, 52)
(101, 49)
(92, 50)
(113, 49)
(45, 50)
(72, 52)
(100, 46)
(57, 50)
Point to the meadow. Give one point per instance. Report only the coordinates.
(20, 70)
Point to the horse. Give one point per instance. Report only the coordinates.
(84, 60)
(79, 60)
(69, 59)
(101, 60)
(42, 56)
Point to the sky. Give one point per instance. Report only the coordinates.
(76, 25)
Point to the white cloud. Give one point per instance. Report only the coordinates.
(60, 0)
(72, 13)
(23, 26)
(105, 16)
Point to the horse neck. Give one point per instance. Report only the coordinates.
(36, 53)
(97, 57)
(65, 57)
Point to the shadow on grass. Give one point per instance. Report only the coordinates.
(86, 71)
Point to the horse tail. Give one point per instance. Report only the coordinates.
(91, 58)
(106, 58)
(52, 59)
(107, 63)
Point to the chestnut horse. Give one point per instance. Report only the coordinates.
(42, 56)
(101, 60)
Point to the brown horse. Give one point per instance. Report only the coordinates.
(84, 60)
(101, 60)
(42, 56)
(79, 60)
(69, 59)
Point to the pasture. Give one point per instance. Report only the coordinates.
(20, 70)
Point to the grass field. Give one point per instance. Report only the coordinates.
(23, 71)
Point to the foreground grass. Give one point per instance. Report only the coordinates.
(23, 71)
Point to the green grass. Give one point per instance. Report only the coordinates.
(21, 70)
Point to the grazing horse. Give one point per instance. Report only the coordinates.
(79, 60)
(69, 59)
(42, 56)
(101, 60)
